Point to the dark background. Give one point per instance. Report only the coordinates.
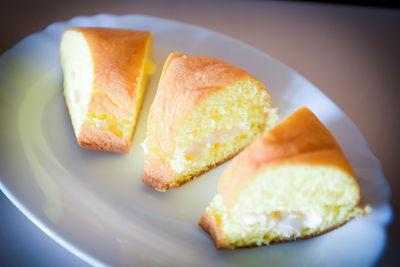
(370, 28)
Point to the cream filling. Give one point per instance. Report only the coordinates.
(191, 153)
(180, 159)
(218, 136)
(288, 223)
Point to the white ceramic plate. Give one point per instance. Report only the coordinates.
(95, 204)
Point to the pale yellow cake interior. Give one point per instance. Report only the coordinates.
(221, 125)
(78, 76)
(78, 68)
(288, 202)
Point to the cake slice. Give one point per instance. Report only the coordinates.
(204, 112)
(105, 74)
(291, 183)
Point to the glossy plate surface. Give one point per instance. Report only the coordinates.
(95, 204)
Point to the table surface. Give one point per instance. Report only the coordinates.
(351, 53)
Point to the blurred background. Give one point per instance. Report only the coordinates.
(349, 49)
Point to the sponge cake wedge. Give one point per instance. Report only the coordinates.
(105, 74)
(293, 182)
(204, 112)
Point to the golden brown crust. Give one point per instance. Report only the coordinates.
(100, 138)
(185, 81)
(300, 139)
(159, 175)
(212, 227)
(94, 138)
